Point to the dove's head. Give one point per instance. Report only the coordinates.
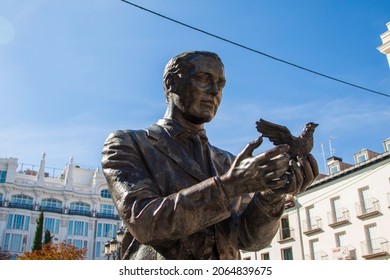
(310, 127)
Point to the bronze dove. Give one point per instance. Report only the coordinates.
(299, 146)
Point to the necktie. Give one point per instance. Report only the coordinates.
(200, 152)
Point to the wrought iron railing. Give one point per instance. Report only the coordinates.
(369, 206)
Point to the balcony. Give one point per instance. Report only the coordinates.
(312, 225)
(368, 208)
(20, 205)
(344, 253)
(339, 217)
(375, 248)
(51, 209)
(286, 234)
(320, 255)
(108, 216)
(79, 212)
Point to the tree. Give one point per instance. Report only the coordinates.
(37, 244)
(48, 237)
(55, 251)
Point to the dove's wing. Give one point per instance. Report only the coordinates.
(277, 134)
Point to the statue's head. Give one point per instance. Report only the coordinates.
(193, 83)
(182, 63)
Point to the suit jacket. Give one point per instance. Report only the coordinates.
(171, 210)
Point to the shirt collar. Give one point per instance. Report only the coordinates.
(174, 129)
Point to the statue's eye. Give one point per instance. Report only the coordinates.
(221, 83)
(202, 77)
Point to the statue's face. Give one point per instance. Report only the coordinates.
(199, 91)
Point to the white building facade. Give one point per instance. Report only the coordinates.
(342, 216)
(385, 47)
(76, 204)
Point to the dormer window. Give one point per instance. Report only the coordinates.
(334, 168)
(386, 144)
(361, 157)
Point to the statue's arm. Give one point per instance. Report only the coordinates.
(259, 222)
(150, 217)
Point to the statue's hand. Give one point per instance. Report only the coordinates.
(248, 173)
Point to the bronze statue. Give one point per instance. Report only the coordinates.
(182, 198)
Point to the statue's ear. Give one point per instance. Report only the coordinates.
(171, 82)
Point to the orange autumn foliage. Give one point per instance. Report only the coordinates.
(55, 251)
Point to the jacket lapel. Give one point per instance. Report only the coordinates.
(177, 153)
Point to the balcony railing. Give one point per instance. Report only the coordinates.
(20, 205)
(338, 217)
(375, 248)
(286, 234)
(344, 253)
(370, 207)
(51, 209)
(108, 216)
(80, 212)
(320, 255)
(312, 225)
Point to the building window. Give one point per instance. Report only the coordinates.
(51, 224)
(386, 144)
(341, 239)
(3, 176)
(107, 209)
(372, 244)
(334, 169)
(337, 214)
(79, 206)
(16, 221)
(99, 249)
(287, 254)
(51, 203)
(366, 202)
(105, 193)
(1, 199)
(15, 242)
(106, 230)
(312, 223)
(265, 256)
(78, 243)
(78, 228)
(21, 200)
(313, 244)
(361, 158)
(285, 228)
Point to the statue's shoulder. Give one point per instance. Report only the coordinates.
(153, 131)
(126, 134)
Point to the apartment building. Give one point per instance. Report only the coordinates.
(76, 204)
(342, 216)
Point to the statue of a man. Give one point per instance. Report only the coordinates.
(182, 198)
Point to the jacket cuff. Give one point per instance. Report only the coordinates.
(273, 206)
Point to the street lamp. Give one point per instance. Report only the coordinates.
(112, 247)
(120, 234)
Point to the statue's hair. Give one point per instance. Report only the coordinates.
(180, 64)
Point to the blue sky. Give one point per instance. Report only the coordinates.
(73, 71)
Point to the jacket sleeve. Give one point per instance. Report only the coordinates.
(259, 222)
(150, 217)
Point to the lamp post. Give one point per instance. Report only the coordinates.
(119, 236)
(112, 247)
